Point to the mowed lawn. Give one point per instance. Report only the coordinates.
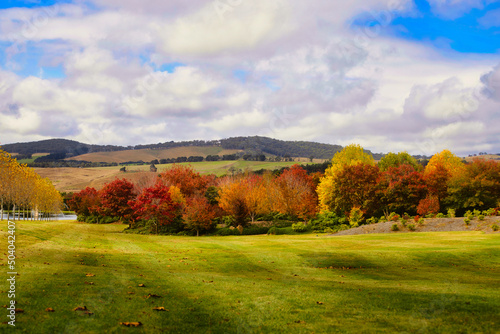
(412, 283)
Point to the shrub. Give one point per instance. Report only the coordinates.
(440, 215)
(256, 230)
(421, 221)
(343, 227)
(490, 212)
(272, 230)
(355, 216)
(467, 221)
(451, 213)
(394, 227)
(494, 227)
(372, 220)
(476, 212)
(411, 227)
(329, 230)
(416, 218)
(393, 217)
(299, 227)
(480, 217)
(469, 214)
(403, 221)
(227, 231)
(325, 220)
(406, 216)
(429, 205)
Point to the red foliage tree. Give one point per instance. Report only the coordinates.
(355, 186)
(428, 205)
(199, 214)
(86, 202)
(436, 180)
(186, 179)
(296, 193)
(400, 189)
(155, 205)
(115, 197)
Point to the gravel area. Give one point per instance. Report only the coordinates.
(430, 225)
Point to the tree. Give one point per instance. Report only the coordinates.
(351, 155)
(453, 164)
(199, 214)
(436, 180)
(295, 193)
(186, 179)
(156, 206)
(114, 197)
(400, 189)
(477, 188)
(396, 160)
(428, 205)
(232, 199)
(255, 195)
(86, 202)
(354, 186)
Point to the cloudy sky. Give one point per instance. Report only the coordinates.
(391, 75)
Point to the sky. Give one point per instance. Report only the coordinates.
(390, 75)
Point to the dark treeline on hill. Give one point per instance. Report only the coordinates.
(250, 145)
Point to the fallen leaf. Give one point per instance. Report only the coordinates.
(152, 296)
(319, 303)
(131, 324)
(49, 309)
(18, 310)
(130, 293)
(90, 275)
(80, 308)
(89, 283)
(159, 308)
(142, 285)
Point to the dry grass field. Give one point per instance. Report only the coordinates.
(148, 155)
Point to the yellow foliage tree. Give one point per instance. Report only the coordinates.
(351, 155)
(453, 164)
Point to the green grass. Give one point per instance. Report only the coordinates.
(419, 282)
(216, 167)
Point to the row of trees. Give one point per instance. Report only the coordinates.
(399, 184)
(180, 198)
(22, 189)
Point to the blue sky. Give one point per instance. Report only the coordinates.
(128, 72)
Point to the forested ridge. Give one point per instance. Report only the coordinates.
(250, 145)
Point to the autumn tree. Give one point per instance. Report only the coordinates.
(155, 206)
(114, 198)
(477, 188)
(396, 160)
(450, 162)
(232, 199)
(186, 179)
(85, 203)
(351, 155)
(199, 214)
(401, 189)
(354, 186)
(295, 193)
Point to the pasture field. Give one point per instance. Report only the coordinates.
(75, 179)
(378, 283)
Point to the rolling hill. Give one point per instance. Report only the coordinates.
(150, 154)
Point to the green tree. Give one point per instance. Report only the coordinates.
(396, 160)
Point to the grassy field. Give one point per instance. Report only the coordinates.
(75, 179)
(412, 283)
(149, 155)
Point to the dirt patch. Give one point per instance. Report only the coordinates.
(429, 225)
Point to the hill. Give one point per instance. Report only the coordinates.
(150, 154)
(248, 145)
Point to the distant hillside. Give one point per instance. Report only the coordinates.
(150, 155)
(57, 146)
(63, 148)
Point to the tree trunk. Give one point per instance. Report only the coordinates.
(197, 233)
